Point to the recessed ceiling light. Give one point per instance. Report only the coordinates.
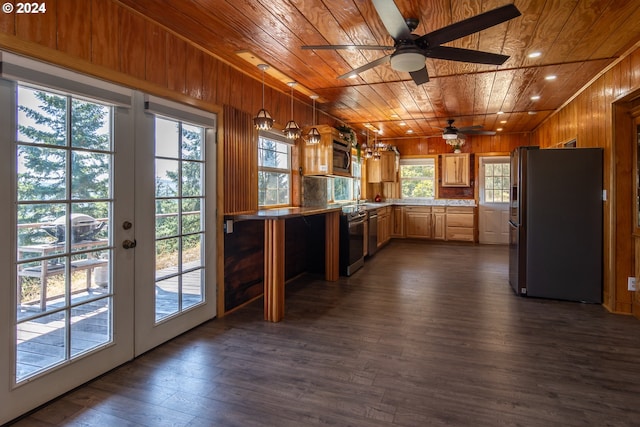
(534, 55)
(551, 77)
(409, 130)
(403, 124)
(503, 121)
(500, 112)
(532, 113)
(535, 97)
(395, 116)
(499, 129)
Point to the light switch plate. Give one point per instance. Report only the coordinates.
(631, 283)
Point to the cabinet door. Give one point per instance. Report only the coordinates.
(388, 166)
(397, 222)
(455, 170)
(439, 220)
(317, 159)
(374, 174)
(418, 222)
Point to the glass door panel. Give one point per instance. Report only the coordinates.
(64, 198)
(179, 179)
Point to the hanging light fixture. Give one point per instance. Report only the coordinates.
(263, 120)
(368, 152)
(376, 147)
(292, 130)
(313, 137)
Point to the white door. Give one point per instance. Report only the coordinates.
(67, 284)
(175, 211)
(109, 253)
(493, 213)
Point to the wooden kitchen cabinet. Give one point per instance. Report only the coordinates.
(461, 223)
(384, 225)
(455, 170)
(438, 218)
(384, 169)
(317, 159)
(417, 222)
(397, 221)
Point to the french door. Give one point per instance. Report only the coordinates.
(107, 256)
(175, 251)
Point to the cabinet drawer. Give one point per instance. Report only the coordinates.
(463, 234)
(418, 209)
(438, 209)
(459, 220)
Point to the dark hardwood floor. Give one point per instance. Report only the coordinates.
(425, 334)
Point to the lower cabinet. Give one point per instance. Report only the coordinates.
(384, 225)
(439, 219)
(454, 223)
(461, 221)
(397, 221)
(417, 222)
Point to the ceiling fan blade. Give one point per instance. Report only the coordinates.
(469, 26)
(465, 55)
(392, 19)
(480, 132)
(346, 47)
(469, 128)
(421, 76)
(366, 67)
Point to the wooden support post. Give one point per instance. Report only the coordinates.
(274, 269)
(332, 246)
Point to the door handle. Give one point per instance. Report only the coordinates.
(129, 244)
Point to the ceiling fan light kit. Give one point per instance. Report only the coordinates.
(407, 61)
(263, 120)
(411, 50)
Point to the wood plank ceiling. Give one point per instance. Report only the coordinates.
(577, 39)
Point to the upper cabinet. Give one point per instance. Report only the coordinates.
(332, 156)
(384, 169)
(455, 170)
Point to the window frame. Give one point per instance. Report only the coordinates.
(483, 188)
(276, 139)
(420, 161)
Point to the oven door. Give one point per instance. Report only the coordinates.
(356, 240)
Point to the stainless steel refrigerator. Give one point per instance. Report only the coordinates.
(555, 225)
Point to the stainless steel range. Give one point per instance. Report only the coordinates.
(352, 239)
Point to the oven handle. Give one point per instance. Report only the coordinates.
(357, 222)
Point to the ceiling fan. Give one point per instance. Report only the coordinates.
(411, 50)
(452, 132)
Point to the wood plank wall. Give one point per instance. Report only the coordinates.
(240, 162)
(590, 118)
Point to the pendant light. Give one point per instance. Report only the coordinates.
(376, 147)
(368, 152)
(292, 130)
(313, 137)
(263, 120)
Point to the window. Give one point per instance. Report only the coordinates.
(274, 172)
(180, 212)
(64, 155)
(417, 178)
(496, 182)
(341, 189)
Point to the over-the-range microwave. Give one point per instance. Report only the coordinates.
(341, 158)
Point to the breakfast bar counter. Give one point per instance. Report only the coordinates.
(274, 250)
